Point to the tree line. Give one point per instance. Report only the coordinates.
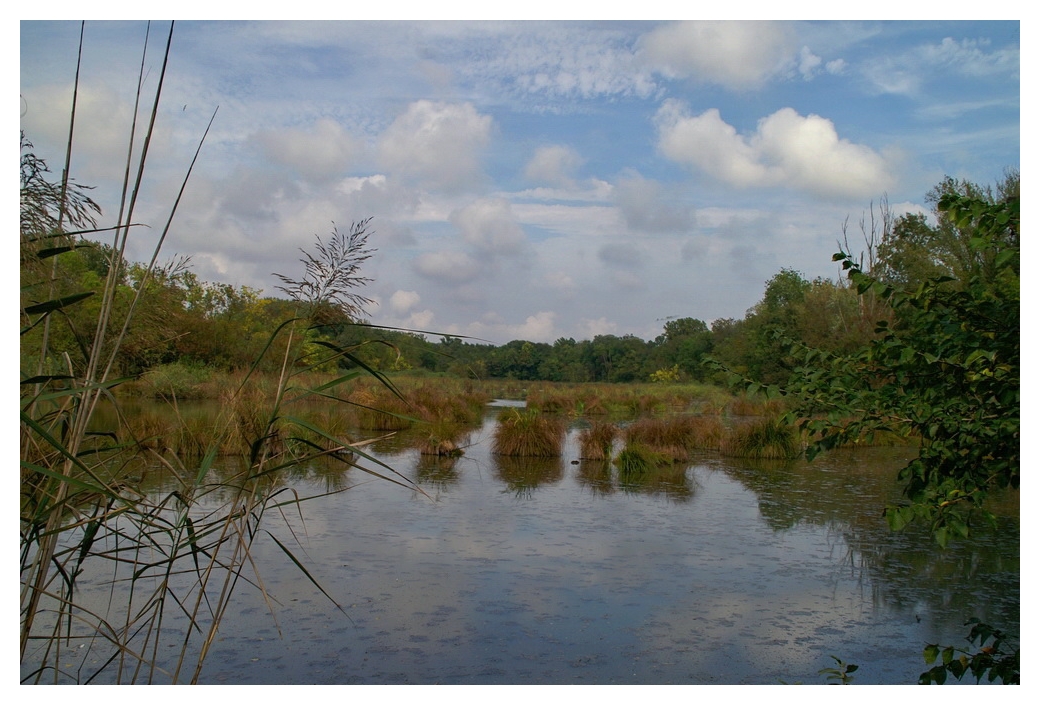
(184, 320)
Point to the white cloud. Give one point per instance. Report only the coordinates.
(447, 266)
(419, 320)
(401, 302)
(560, 281)
(788, 149)
(970, 57)
(905, 73)
(554, 165)
(540, 63)
(318, 153)
(808, 63)
(590, 328)
(740, 54)
(490, 227)
(538, 328)
(647, 206)
(437, 144)
(708, 143)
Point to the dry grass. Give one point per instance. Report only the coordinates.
(597, 441)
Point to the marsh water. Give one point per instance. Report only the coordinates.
(519, 571)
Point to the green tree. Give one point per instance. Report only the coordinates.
(914, 250)
(948, 374)
(684, 343)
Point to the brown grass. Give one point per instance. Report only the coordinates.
(597, 441)
(528, 433)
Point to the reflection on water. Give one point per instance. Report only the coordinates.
(513, 571)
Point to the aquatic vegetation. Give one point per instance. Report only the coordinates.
(637, 460)
(597, 441)
(769, 438)
(528, 433)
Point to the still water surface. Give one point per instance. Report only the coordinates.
(550, 572)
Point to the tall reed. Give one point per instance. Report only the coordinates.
(141, 580)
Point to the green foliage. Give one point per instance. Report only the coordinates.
(636, 460)
(996, 660)
(839, 674)
(948, 373)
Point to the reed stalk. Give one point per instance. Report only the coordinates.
(127, 573)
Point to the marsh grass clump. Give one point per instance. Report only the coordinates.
(446, 403)
(767, 438)
(676, 436)
(705, 432)
(528, 433)
(636, 460)
(597, 441)
(443, 439)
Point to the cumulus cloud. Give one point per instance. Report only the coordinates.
(376, 196)
(590, 328)
(554, 165)
(539, 327)
(401, 302)
(787, 149)
(317, 153)
(735, 54)
(649, 207)
(490, 227)
(439, 145)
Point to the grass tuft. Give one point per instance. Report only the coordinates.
(528, 433)
(767, 438)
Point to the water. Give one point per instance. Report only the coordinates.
(513, 572)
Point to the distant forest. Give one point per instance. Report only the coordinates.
(181, 320)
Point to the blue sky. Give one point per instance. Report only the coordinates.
(533, 180)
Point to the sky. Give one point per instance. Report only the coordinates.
(529, 180)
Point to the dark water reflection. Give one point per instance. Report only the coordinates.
(553, 572)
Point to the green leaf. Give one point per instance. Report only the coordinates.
(55, 304)
(931, 652)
